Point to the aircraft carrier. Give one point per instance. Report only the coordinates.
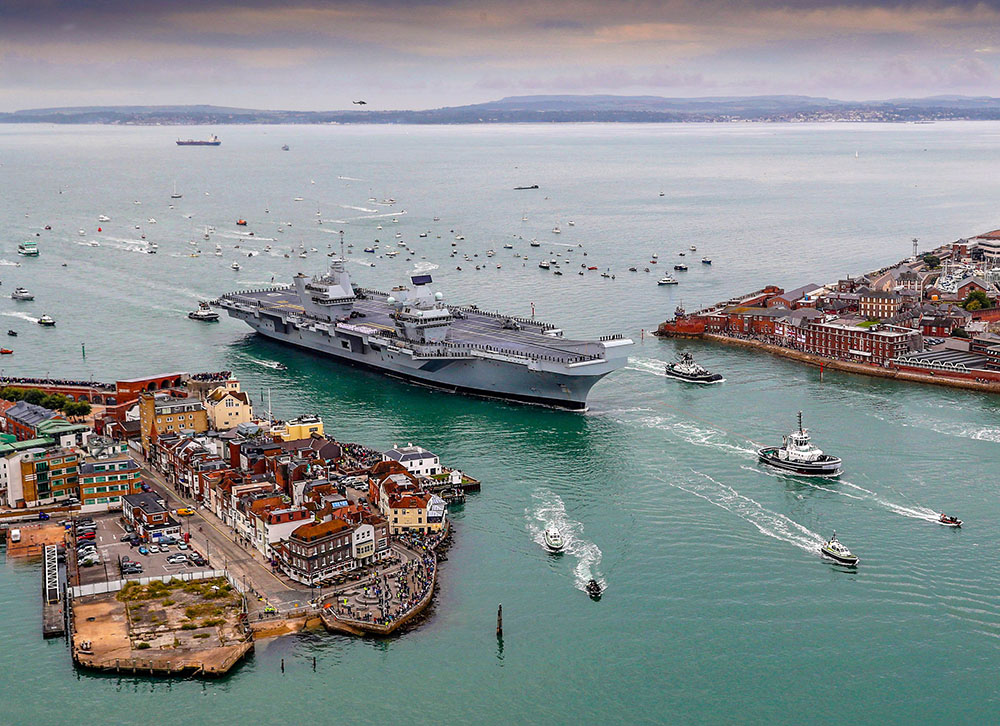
(411, 334)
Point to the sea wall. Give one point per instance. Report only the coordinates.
(864, 369)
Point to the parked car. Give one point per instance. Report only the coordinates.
(143, 550)
(145, 487)
(168, 540)
(177, 559)
(182, 545)
(131, 570)
(125, 537)
(185, 512)
(129, 528)
(153, 548)
(43, 516)
(198, 560)
(86, 537)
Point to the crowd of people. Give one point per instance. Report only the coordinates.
(220, 376)
(384, 599)
(6, 380)
(358, 457)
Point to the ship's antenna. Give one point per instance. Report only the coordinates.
(801, 431)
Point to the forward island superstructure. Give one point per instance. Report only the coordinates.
(410, 333)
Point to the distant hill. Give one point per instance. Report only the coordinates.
(548, 109)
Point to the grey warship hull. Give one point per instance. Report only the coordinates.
(482, 354)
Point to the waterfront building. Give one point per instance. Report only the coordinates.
(804, 296)
(879, 304)
(988, 246)
(417, 460)
(402, 501)
(228, 407)
(23, 418)
(877, 344)
(302, 427)
(316, 551)
(273, 519)
(41, 475)
(161, 413)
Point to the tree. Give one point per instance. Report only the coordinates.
(932, 261)
(9, 393)
(976, 300)
(55, 401)
(33, 395)
(960, 333)
(77, 408)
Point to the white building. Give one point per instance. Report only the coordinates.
(417, 460)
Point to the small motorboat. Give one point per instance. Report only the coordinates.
(544, 264)
(946, 520)
(204, 313)
(284, 147)
(241, 223)
(798, 455)
(22, 293)
(12, 333)
(553, 540)
(236, 266)
(706, 260)
(594, 589)
(46, 321)
(5, 351)
(681, 267)
(838, 552)
(668, 280)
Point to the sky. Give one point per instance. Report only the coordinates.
(397, 54)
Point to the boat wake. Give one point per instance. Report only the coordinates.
(914, 512)
(21, 316)
(349, 178)
(359, 209)
(767, 522)
(547, 511)
(647, 365)
(273, 365)
(8, 263)
(420, 267)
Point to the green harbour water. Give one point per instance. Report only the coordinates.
(718, 606)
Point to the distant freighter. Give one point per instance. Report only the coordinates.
(411, 334)
(213, 141)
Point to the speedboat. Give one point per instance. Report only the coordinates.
(668, 280)
(685, 369)
(594, 589)
(682, 267)
(5, 351)
(204, 313)
(838, 552)
(21, 293)
(46, 321)
(544, 264)
(235, 266)
(948, 521)
(553, 540)
(12, 333)
(798, 455)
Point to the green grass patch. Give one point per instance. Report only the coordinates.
(213, 622)
(189, 626)
(142, 646)
(201, 636)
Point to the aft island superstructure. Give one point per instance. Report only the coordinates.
(410, 333)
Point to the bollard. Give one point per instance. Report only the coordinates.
(500, 620)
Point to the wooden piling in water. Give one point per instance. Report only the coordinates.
(500, 620)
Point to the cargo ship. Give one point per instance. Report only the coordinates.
(213, 140)
(411, 334)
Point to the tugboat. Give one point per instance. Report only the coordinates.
(946, 520)
(553, 540)
(594, 589)
(836, 551)
(685, 369)
(798, 455)
(204, 313)
(47, 321)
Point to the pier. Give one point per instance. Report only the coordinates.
(53, 614)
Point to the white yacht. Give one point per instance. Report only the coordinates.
(236, 266)
(104, 218)
(22, 293)
(668, 280)
(553, 540)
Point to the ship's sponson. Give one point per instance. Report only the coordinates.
(411, 335)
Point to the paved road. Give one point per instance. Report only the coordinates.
(212, 537)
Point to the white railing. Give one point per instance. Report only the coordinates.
(100, 588)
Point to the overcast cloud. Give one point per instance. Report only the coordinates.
(394, 54)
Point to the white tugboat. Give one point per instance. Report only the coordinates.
(553, 540)
(798, 455)
(838, 552)
(685, 369)
(204, 313)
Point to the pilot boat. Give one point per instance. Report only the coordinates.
(47, 321)
(798, 455)
(837, 551)
(553, 540)
(948, 521)
(685, 369)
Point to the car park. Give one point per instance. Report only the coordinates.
(197, 559)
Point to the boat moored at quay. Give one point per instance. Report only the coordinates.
(410, 333)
